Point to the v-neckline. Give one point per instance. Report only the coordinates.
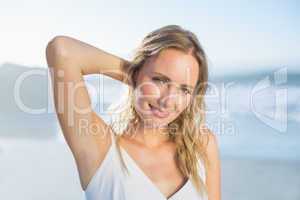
(151, 182)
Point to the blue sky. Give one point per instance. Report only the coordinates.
(251, 34)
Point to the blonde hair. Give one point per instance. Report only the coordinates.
(188, 134)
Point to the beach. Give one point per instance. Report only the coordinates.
(258, 161)
(252, 100)
(45, 169)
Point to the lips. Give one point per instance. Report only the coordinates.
(158, 112)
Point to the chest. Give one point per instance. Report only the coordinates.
(156, 170)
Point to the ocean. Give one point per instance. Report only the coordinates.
(254, 116)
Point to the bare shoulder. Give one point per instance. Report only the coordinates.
(213, 171)
(211, 142)
(212, 146)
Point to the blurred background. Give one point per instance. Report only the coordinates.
(252, 102)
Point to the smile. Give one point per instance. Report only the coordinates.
(158, 112)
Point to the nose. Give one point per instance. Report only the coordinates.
(168, 99)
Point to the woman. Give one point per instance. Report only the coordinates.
(165, 152)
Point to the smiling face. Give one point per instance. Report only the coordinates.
(165, 86)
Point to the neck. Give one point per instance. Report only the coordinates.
(150, 136)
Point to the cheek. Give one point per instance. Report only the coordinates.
(183, 103)
(147, 90)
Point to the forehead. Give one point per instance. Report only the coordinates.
(177, 65)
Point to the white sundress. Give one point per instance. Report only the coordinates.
(110, 182)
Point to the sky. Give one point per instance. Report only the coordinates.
(236, 35)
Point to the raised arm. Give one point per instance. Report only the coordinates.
(85, 132)
(89, 59)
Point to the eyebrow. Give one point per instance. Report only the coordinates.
(167, 78)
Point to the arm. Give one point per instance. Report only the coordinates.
(213, 172)
(91, 60)
(85, 132)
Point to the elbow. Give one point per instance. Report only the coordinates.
(56, 50)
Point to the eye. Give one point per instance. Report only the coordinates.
(159, 80)
(186, 91)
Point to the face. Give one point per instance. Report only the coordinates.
(164, 86)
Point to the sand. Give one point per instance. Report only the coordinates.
(45, 169)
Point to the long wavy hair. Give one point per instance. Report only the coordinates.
(187, 130)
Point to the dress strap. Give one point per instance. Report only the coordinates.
(113, 139)
(114, 145)
(118, 153)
